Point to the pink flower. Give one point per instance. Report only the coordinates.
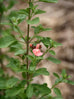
(38, 46)
(37, 52)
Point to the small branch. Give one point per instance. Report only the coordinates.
(55, 85)
(31, 39)
(46, 51)
(1, 62)
(28, 30)
(21, 34)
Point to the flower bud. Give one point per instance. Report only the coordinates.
(31, 45)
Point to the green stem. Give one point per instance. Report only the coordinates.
(32, 38)
(46, 51)
(28, 30)
(1, 62)
(55, 85)
(21, 34)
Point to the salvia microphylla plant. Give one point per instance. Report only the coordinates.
(29, 53)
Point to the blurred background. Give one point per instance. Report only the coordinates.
(59, 17)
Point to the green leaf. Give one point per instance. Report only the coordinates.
(59, 80)
(24, 11)
(32, 66)
(5, 23)
(39, 29)
(39, 58)
(1, 72)
(31, 5)
(2, 84)
(14, 91)
(54, 60)
(56, 75)
(38, 11)
(15, 47)
(43, 89)
(69, 82)
(57, 92)
(31, 57)
(5, 84)
(49, 1)
(6, 41)
(14, 64)
(52, 52)
(57, 97)
(39, 38)
(41, 71)
(15, 17)
(2, 7)
(64, 74)
(47, 42)
(49, 96)
(33, 21)
(11, 3)
(56, 44)
(11, 82)
(18, 19)
(29, 91)
(19, 52)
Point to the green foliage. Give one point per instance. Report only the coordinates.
(11, 82)
(43, 89)
(14, 64)
(6, 41)
(54, 60)
(33, 21)
(49, 1)
(69, 82)
(52, 52)
(14, 91)
(58, 93)
(64, 78)
(41, 71)
(1, 72)
(39, 29)
(16, 47)
(19, 52)
(48, 42)
(56, 44)
(2, 7)
(24, 11)
(56, 75)
(11, 3)
(26, 63)
(5, 84)
(29, 91)
(2, 83)
(38, 11)
(17, 18)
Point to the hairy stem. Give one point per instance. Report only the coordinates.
(28, 30)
